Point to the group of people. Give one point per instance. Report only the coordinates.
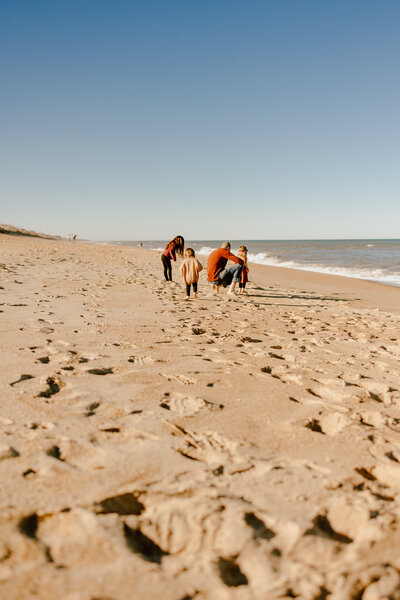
(219, 275)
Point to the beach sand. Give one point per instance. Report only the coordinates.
(157, 448)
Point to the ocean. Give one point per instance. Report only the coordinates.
(375, 260)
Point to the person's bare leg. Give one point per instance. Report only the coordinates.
(231, 290)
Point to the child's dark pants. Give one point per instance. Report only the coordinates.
(194, 288)
(166, 261)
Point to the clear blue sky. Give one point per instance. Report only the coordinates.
(208, 118)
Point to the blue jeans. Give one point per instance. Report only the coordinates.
(229, 275)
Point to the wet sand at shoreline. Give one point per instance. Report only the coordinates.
(153, 447)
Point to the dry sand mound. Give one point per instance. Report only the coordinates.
(11, 230)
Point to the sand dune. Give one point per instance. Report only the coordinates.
(11, 230)
(220, 449)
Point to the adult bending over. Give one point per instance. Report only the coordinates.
(217, 272)
(173, 248)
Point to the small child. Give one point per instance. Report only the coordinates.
(190, 269)
(242, 253)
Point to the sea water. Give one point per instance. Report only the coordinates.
(375, 260)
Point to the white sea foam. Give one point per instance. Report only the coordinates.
(205, 250)
(371, 273)
(377, 275)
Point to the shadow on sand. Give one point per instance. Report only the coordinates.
(300, 297)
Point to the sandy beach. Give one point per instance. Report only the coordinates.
(157, 448)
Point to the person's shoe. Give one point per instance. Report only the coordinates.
(187, 298)
(194, 295)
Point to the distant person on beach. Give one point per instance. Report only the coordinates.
(242, 253)
(190, 269)
(217, 273)
(173, 248)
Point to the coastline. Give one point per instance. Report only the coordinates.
(242, 449)
(361, 293)
(376, 261)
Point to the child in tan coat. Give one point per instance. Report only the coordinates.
(190, 269)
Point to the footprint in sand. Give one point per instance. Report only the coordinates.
(180, 378)
(209, 447)
(141, 360)
(333, 423)
(186, 406)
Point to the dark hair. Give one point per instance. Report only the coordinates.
(178, 243)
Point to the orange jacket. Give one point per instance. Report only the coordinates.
(217, 262)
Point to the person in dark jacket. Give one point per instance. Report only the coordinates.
(173, 248)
